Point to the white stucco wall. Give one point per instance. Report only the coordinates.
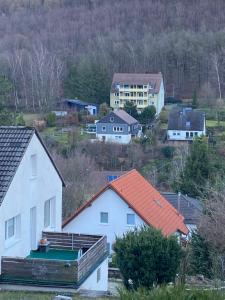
(88, 221)
(111, 138)
(182, 135)
(26, 192)
(160, 102)
(91, 282)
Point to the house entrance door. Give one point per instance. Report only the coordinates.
(33, 228)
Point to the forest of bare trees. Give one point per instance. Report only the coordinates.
(41, 40)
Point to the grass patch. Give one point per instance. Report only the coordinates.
(38, 296)
(170, 293)
(214, 123)
(29, 118)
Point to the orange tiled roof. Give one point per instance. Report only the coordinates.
(146, 201)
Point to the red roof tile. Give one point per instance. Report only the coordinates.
(145, 200)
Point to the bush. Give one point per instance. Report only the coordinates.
(164, 116)
(51, 119)
(171, 293)
(145, 257)
(168, 151)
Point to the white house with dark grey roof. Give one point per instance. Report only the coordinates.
(30, 191)
(117, 127)
(185, 124)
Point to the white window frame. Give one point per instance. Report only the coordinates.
(101, 214)
(103, 128)
(133, 215)
(98, 274)
(49, 213)
(16, 223)
(33, 162)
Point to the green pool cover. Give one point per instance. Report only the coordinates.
(55, 254)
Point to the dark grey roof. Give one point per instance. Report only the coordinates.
(190, 208)
(119, 117)
(78, 102)
(136, 78)
(13, 144)
(186, 119)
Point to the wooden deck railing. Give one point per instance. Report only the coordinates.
(63, 240)
(92, 257)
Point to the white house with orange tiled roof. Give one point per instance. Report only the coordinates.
(123, 204)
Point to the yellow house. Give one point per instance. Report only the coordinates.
(141, 89)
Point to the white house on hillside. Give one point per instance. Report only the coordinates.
(30, 191)
(185, 124)
(123, 204)
(31, 210)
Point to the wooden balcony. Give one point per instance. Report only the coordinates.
(61, 270)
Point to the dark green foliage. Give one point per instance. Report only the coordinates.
(147, 257)
(200, 256)
(194, 100)
(5, 91)
(131, 109)
(147, 115)
(171, 293)
(168, 151)
(51, 119)
(87, 81)
(202, 166)
(6, 118)
(19, 120)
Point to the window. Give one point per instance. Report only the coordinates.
(126, 86)
(111, 119)
(127, 94)
(145, 86)
(174, 133)
(130, 219)
(178, 133)
(118, 137)
(33, 159)
(12, 228)
(121, 129)
(187, 134)
(98, 274)
(191, 134)
(117, 94)
(103, 128)
(196, 134)
(117, 102)
(104, 217)
(49, 213)
(140, 86)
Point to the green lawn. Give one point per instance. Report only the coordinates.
(29, 118)
(214, 123)
(38, 296)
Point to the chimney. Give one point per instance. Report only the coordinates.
(178, 201)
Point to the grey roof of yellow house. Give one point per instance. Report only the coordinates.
(13, 144)
(137, 79)
(186, 119)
